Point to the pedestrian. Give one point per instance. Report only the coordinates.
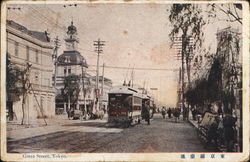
(229, 131)
(154, 111)
(212, 133)
(177, 112)
(169, 113)
(184, 113)
(194, 112)
(163, 112)
(147, 112)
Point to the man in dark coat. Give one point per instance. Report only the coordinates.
(169, 113)
(176, 113)
(212, 132)
(163, 112)
(147, 112)
(229, 131)
(194, 112)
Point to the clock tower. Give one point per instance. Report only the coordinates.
(70, 62)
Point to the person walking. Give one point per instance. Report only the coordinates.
(153, 111)
(163, 112)
(229, 131)
(176, 114)
(194, 113)
(169, 113)
(147, 112)
(212, 133)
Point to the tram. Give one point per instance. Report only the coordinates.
(124, 105)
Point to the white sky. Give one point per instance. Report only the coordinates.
(136, 35)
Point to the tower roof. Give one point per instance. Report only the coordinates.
(71, 29)
(71, 58)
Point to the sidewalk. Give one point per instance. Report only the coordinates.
(16, 132)
(57, 120)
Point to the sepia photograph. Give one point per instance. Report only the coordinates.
(105, 77)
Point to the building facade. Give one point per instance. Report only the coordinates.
(26, 47)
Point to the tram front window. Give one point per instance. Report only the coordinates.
(120, 101)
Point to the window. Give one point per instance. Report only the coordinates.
(69, 71)
(16, 48)
(36, 76)
(67, 59)
(37, 56)
(27, 53)
(65, 71)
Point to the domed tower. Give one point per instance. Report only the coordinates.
(69, 62)
(71, 40)
(71, 56)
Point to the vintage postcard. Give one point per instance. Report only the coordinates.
(124, 80)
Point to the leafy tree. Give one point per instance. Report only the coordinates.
(13, 79)
(230, 12)
(17, 84)
(86, 85)
(187, 21)
(25, 88)
(71, 89)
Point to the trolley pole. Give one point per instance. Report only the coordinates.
(98, 49)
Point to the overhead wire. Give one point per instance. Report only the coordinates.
(62, 28)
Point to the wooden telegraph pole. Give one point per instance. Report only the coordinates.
(98, 49)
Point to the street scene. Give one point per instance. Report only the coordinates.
(124, 78)
(95, 136)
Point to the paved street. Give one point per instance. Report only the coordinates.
(163, 135)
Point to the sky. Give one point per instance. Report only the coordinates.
(136, 36)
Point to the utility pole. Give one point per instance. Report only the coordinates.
(182, 73)
(181, 44)
(102, 83)
(83, 91)
(132, 80)
(54, 56)
(103, 77)
(98, 49)
(178, 43)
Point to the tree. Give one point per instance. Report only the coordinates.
(230, 10)
(25, 88)
(86, 90)
(13, 80)
(71, 89)
(187, 21)
(17, 85)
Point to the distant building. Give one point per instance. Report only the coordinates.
(230, 54)
(105, 86)
(33, 47)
